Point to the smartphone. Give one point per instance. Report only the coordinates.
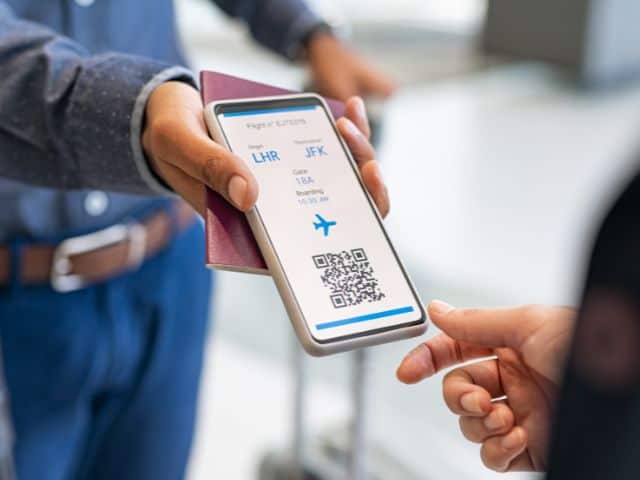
(321, 235)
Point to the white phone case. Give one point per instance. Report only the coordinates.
(310, 344)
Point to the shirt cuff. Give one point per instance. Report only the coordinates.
(302, 27)
(151, 178)
(99, 120)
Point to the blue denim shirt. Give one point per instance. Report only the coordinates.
(75, 76)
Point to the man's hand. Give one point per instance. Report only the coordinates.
(530, 344)
(340, 73)
(354, 128)
(179, 149)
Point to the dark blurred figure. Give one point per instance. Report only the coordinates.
(597, 435)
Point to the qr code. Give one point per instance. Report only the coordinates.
(349, 277)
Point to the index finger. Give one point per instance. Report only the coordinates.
(365, 156)
(495, 327)
(436, 354)
(362, 150)
(356, 111)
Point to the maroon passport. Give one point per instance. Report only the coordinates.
(229, 242)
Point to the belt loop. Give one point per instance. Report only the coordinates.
(15, 263)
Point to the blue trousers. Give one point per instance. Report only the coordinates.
(104, 381)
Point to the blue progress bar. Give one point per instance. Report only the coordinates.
(269, 110)
(364, 318)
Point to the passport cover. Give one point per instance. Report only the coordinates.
(230, 245)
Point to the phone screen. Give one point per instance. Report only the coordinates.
(336, 256)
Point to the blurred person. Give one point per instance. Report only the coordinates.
(94, 98)
(513, 387)
(600, 396)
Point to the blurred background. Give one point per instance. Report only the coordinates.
(514, 128)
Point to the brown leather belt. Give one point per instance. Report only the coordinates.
(88, 259)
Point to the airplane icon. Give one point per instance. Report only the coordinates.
(322, 223)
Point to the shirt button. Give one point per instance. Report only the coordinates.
(85, 3)
(96, 203)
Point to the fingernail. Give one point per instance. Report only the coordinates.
(494, 421)
(362, 109)
(352, 128)
(416, 365)
(378, 173)
(512, 440)
(471, 403)
(237, 189)
(419, 350)
(439, 307)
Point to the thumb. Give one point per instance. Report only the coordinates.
(182, 142)
(495, 328)
(221, 170)
(176, 142)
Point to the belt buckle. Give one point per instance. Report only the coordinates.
(63, 281)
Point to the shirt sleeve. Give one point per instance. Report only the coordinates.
(279, 25)
(71, 120)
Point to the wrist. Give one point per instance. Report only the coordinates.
(148, 174)
(166, 102)
(316, 40)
